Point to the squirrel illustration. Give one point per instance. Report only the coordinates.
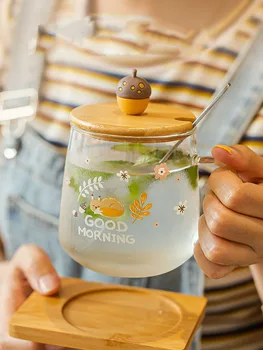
(108, 207)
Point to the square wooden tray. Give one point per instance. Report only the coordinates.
(95, 316)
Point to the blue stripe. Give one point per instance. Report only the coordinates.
(255, 20)
(253, 138)
(116, 76)
(54, 143)
(43, 31)
(204, 173)
(72, 106)
(226, 51)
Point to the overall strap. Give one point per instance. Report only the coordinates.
(26, 65)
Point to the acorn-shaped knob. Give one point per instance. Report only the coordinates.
(133, 94)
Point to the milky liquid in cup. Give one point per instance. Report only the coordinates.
(119, 220)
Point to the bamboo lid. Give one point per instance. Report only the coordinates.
(132, 118)
(159, 121)
(97, 316)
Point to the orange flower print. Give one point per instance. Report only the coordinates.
(161, 171)
(178, 179)
(156, 224)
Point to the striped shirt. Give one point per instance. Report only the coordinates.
(183, 70)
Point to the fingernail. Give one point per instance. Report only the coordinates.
(226, 148)
(48, 283)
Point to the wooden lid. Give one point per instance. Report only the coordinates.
(96, 316)
(159, 121)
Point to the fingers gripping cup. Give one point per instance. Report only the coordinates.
(122, 213)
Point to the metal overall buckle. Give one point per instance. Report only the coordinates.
(16, 109)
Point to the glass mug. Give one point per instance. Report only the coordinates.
(122, 213)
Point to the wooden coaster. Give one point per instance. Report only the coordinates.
(159, 120)
(89, 315)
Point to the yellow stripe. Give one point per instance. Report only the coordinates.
(185, 90)
(80, 88)
(157, 87)
(258, 144)
(221, 55)
(55, 106)
(85, 72)
(242, 36)
(222, 338)
(196, 66)
(45, 36)
(252, 24)
(226, 290)
(48, 120)
(188, 66)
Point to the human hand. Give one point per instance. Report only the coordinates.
(30, 269)
(231, 229)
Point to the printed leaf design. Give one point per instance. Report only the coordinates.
(192, 175)
(148, 207)
(177, 159)
(137, 203)
(138, 210)
(133, 147)
(147, 213)
(90, 186)
(134, 209)
(136, 217)
(143, 198)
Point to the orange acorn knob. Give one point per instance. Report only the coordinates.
(133, 94)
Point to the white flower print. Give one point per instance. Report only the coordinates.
(75, 213)
(161, 171)
(124, 176)
(181, 208)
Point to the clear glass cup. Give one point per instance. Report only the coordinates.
(118, 215)
(124, 215)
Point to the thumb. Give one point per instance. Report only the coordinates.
(32, 263)
(247, 164)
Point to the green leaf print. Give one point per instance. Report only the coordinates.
(116, 165)
(139, 185)
(132, 147)
(79, 174)
(192, 174)
(177, 159)
(74, 185)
